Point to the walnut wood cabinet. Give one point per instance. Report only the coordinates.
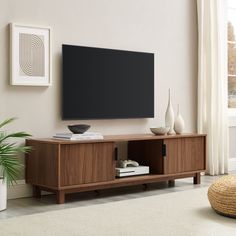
(86, 163)
(63, 167)
(182, 155)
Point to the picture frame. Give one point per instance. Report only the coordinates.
(30, 55)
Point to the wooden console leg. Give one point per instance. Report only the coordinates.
(60, 197)
(171, 183)
(36, 192)
(197, 178)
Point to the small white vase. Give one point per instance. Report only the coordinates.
(179, 123)
(3, 195)
(170, 117)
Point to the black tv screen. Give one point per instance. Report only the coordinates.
(103, 83)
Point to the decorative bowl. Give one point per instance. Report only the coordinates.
(78, 129)
(160, 130)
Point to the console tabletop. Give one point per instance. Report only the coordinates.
(120, 138)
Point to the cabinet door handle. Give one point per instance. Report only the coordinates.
(164, 150)
(116, 154)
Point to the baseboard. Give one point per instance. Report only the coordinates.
(19, 190)
(232, 164)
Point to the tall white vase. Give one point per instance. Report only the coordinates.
(169, 116)
(3, 195)
(179, 123)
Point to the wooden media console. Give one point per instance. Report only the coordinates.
(62, 166)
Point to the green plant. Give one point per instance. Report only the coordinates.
(10, 164)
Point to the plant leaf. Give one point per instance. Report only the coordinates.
(14, 135)
(7, 121)
(9, 160)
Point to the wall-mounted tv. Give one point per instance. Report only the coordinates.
(103, 83)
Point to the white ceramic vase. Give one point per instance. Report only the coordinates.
(3, 195)
(170, 117)
(179, 123)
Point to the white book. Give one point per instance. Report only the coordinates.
(84, 136)
(131, 171)
(80, 138)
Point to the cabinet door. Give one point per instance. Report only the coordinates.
(172, 158)
(184, 154)
(86, 163)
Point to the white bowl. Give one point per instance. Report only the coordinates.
(160, 130)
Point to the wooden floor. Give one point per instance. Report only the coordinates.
(26, 206)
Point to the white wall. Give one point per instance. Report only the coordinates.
(166, 27)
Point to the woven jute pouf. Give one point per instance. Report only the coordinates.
(222, 196)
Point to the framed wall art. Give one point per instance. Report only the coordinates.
(30, 55)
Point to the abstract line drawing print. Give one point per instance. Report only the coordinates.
(31, 55)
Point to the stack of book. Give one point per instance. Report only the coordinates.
(84, 136)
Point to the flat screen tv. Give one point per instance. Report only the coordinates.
(103, 83)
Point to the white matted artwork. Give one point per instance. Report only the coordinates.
(30, 55)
